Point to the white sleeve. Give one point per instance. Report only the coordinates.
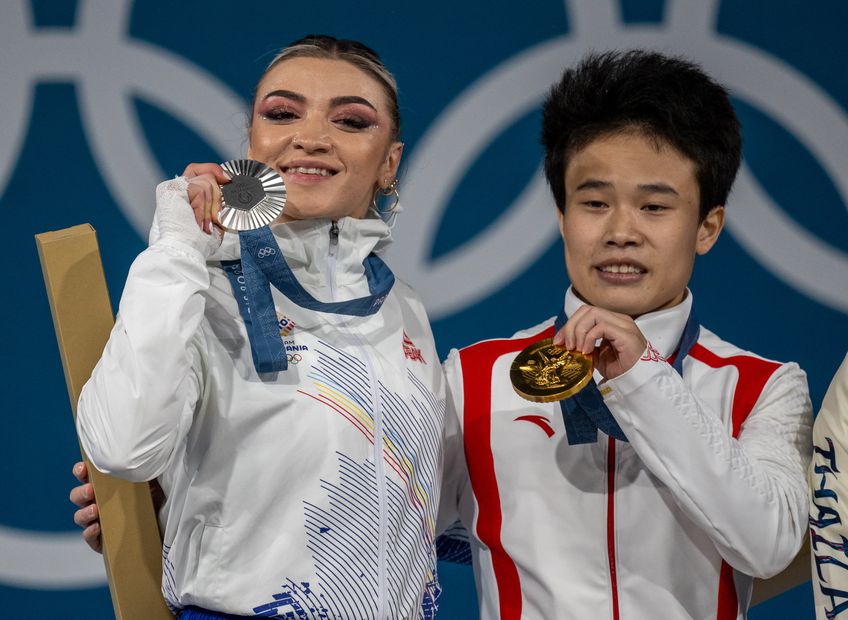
(454, 474)
(749, 495)
(139, 402)
(829, 516)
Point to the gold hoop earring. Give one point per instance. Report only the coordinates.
(389, 190)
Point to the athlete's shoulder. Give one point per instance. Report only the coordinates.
(406, 292)
(758, 382)
(482, 355)
(754, 371)
(715, 351)
(516, 342)
(409, 300)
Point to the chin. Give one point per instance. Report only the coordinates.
(308, 214)
(636, 308)
(627, 303)
(632, 310)
(320, 212)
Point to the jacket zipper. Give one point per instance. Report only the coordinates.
(331, 259)
(379, 462)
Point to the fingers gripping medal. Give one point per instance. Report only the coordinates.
(254, 197)
(545, 373)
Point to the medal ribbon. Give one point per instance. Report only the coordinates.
(586, 412)
(262, 264)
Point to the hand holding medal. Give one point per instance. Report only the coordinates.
(238, 195)
(547, 372)
(544, 372)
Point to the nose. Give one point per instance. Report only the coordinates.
(312, 136)
(622, 228)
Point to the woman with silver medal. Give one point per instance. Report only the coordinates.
(263, 377)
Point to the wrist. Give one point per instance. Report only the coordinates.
(644, 370)
(174, 222)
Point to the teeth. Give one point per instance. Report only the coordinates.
(319, 171)
(621, 269)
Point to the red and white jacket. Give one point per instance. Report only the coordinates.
(709, 492)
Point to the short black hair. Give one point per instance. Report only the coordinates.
(670, 99)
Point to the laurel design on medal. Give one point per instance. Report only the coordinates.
(544, 372)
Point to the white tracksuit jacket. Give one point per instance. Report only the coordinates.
(828, 512)
(280, 500)
(710, 490)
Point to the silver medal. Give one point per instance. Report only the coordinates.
(254, 197)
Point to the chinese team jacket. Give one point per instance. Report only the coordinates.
(709, 492)
(308, 493)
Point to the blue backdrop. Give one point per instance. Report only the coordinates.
(100, 99)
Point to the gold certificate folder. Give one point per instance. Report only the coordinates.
(82, 317)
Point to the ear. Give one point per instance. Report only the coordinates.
(390, 166)
(709, 230)
(561, 222)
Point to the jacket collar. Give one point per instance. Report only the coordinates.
(306, 244)
(662, 328)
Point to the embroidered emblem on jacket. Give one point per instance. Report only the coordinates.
(651, 355)
(411, 351)
(285, 324)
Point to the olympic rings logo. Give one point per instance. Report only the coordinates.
(294, 358)
(266, 251)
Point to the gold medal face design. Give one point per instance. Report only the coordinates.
(545, 373)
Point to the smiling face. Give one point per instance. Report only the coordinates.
(325, 126)
(630, 224)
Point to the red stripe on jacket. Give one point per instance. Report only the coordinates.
(477, 361)
(613, 568)
(754, 373)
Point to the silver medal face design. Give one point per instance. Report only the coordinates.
(254, 197)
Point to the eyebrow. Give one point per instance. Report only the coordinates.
(593, 184)
(334, 102)
(288, 94)
(651, 188)
(337, 101)
(658, 188)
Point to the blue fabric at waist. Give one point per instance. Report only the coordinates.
(196, 613)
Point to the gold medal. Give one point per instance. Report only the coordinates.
(545, 373)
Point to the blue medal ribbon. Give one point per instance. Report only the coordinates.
(586, 412)
(262, 264)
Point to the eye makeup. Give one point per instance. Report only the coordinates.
(350, 112)
(354, 116)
